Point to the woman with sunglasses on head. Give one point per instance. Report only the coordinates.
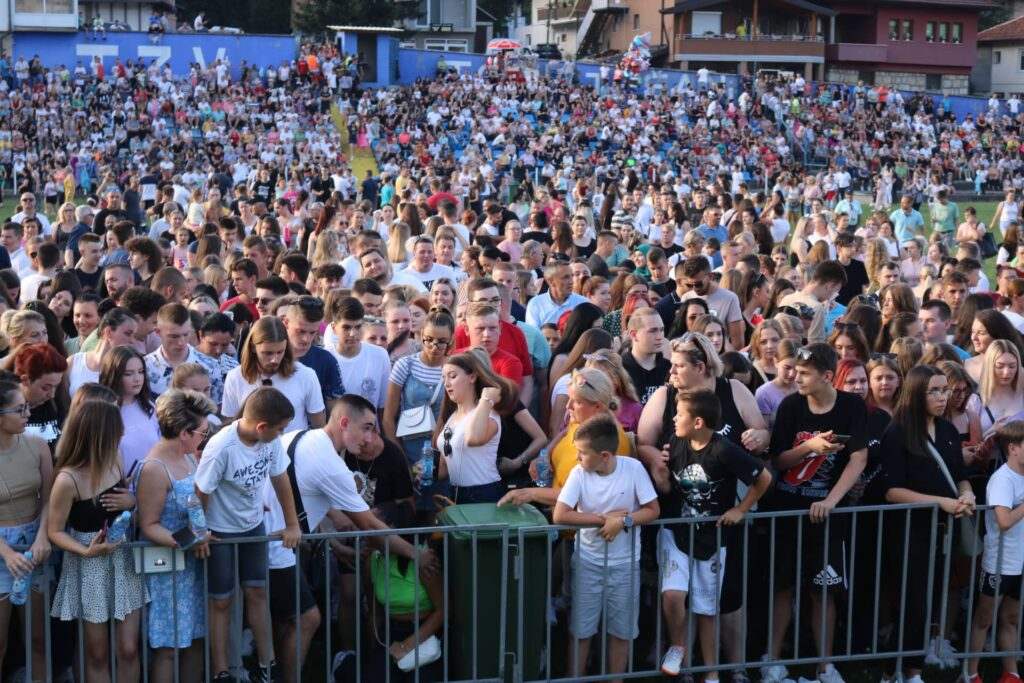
(610, 363)
(468, 429)
(589, 342)
(124, 372)
(26, 470)
(176, 619)
(922, 462)
(591, 393)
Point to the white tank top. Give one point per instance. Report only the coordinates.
(79, 373)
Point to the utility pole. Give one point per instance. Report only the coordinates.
(551, 5)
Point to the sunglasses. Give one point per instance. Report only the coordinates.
(446, 447)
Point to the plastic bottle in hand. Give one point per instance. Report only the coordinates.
(196, 516)
(427, 466)
(119, 529)
(19, 588)
(543, 470)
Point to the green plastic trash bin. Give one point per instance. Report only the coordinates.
(485, 630)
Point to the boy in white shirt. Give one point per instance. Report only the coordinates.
(1003, 559)
(615, 494)
(230, 481)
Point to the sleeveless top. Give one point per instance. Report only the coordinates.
(20, 482)
(732, 426)
(88, 516)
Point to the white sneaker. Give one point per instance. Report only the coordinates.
(947, 654)
(808, 680)
(672, 663)
(773, 673)
(931, 655)
(830, 675)
(914, 679)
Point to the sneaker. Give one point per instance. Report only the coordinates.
(914, 679)
(973, 678)
(830, 675)
(947, 654)
(264, 673)
(773, 673)
(809, 680)
(225, 677)
(1007, 677)
(672, 663)
(931, 655)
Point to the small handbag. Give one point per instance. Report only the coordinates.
(418, 421)
(158, 559)
(969, 542)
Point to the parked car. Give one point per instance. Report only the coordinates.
(547, 51)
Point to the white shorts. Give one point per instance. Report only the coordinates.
(703, 583)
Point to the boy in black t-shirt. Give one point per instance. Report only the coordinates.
(699, 480)
(819, 447)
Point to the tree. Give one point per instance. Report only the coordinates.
(313, 16)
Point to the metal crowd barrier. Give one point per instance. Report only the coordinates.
(507, 583)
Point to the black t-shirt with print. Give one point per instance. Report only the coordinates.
(810, 480)
(383, 480)
(44, 421)
(703, 484)
(645, 381)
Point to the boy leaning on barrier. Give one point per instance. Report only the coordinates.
(1003, 559)
(615, 494)
(230, 482)
(699, 479)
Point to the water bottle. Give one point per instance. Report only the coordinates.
(543, 479)
(19, 589)
(427, 466)
(119, 529)
(196, 516)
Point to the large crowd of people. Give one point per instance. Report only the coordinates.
(617, 306)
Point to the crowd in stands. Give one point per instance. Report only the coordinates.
(616, 306)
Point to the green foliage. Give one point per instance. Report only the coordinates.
(1001, 10)
(252, 16)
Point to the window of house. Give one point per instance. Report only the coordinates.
(957, 34)
(893, 29)
(43, 6)
(636, 22)
(908, 29)
(997, 57)
(943, 32)
(929, 32)
(933, 81)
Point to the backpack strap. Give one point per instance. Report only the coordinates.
(300, 510)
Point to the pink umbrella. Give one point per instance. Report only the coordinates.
(503, 44)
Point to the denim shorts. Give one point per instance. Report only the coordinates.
(20, 535)
(252, 563)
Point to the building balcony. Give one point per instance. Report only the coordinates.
(561, 13)
(733, 48)
(858, 52)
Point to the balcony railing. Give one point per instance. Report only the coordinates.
(760, 37)
(572, 12)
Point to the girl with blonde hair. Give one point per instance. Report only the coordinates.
(1002, 393)
(398, 235)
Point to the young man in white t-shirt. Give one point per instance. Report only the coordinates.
(423, 266)
(365, 368)
(230, 483)
(614, 494)
(1002, 562)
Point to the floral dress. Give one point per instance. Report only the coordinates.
(177, 610)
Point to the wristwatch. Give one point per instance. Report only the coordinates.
(627, 521)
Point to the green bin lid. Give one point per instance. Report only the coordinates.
(477, 514)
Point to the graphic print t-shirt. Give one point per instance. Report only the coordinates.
(233, 475)
(811, 479)
(704, 485)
